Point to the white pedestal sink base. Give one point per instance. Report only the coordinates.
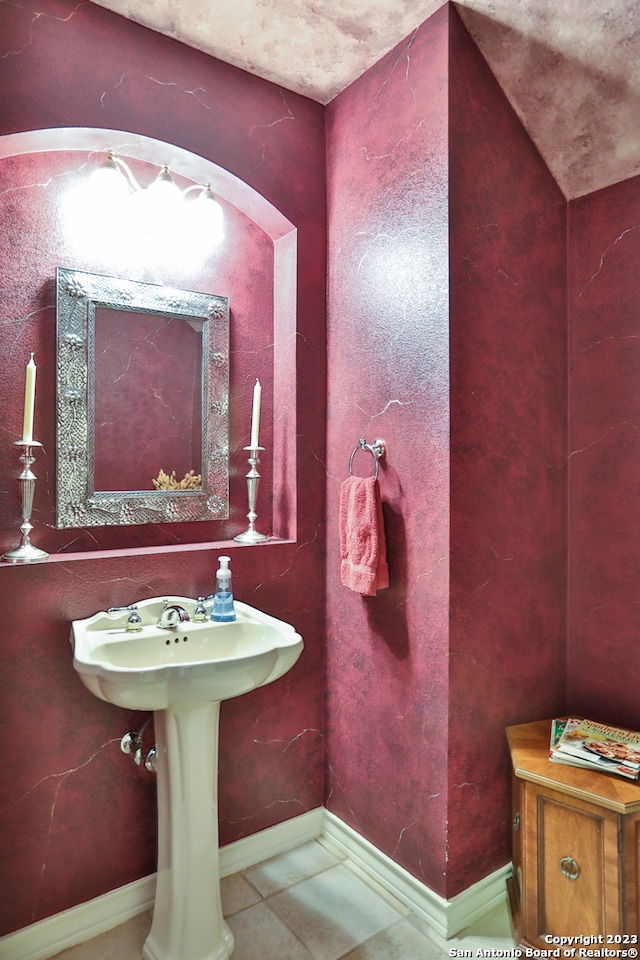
(187, 918)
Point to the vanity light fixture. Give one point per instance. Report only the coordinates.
(162, 204)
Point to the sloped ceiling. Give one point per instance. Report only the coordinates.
(571, 68)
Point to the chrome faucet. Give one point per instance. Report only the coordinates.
(171, 616)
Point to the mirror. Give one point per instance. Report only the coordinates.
(142, 402)
(150, 366)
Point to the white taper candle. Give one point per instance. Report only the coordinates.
(255, 415)
(29, 402)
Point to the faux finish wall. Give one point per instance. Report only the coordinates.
(507, 627)
(78, 818)
(447, 338)
(388, 324)
(604, 454)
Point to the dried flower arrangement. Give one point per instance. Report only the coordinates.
(190, 481)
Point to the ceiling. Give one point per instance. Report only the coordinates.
(571, 68)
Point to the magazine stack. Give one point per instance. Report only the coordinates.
(595, 746)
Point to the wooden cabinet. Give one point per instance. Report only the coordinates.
(576, 847)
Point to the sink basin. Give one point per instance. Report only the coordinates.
(192, 663)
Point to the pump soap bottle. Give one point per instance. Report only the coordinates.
(222, 610)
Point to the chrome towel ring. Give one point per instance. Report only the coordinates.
(376, 449)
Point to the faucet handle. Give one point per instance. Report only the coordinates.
(200, 612)
(134, 622)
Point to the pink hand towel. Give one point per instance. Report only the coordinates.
(363, 550)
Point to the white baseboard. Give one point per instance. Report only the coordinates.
(48, 937)
(446, 917)
(63, 930)
(270, 842)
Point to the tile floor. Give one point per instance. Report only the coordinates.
(312, 903)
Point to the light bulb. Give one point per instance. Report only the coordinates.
(206, 219)
(155, 209)
(108, 183)
(163, 192)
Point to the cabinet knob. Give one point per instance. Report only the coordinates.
(569, 868)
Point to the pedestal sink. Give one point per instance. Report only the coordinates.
(182, 673)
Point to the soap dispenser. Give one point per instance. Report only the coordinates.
(222, 610)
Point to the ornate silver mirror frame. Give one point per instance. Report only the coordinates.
(78, 503)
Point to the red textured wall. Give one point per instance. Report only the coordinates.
(78, 818)
(387, 661)
(507, 634)
(604, 453)
(435, 187)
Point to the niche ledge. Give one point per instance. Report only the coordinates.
(154, 551)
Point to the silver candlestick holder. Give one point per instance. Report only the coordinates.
(251, 535)
(26, 552)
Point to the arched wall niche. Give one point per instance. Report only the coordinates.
(258, 271)
(96, 140)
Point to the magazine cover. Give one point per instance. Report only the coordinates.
(558, 728)
(597, 746)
